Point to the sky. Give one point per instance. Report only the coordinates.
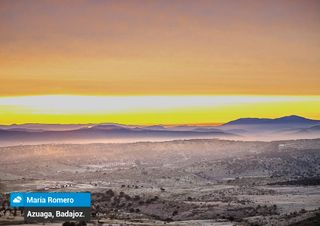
(262, 58)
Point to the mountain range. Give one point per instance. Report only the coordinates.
(288, 127)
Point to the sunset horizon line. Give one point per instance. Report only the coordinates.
(209, 124)
(152, 110)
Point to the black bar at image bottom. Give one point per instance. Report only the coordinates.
(54, 214)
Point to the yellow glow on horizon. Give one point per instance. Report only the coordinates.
(143, 110)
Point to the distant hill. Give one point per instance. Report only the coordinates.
(311, 129)
(293, 119)
(265, 124)
(102, 133)
(288, 127)
(43, 127)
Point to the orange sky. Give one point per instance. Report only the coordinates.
(156, 47)
(260, 57)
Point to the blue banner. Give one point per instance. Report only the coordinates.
(50, 199)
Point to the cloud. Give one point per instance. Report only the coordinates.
(17, 199)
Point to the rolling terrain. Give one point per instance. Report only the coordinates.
(284, 128)
(182, 182)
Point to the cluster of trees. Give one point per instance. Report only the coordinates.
(5, 209)
(110, 202)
